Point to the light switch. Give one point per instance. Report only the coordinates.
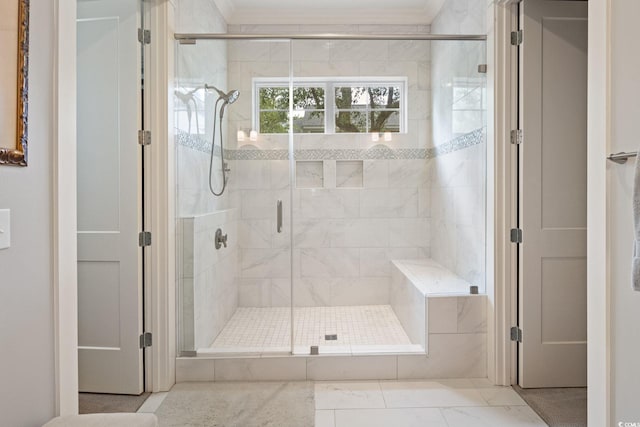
(5, 228)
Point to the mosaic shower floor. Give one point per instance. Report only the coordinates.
(356, 329)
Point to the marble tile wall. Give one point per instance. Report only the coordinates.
(208, 277)
(350, 217)
(197, 65)
(458, 178)
(343, 237)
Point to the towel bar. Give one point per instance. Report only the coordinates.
(622, 157)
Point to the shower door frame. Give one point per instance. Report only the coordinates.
(192, 38)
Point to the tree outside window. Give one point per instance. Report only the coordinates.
(331, 107)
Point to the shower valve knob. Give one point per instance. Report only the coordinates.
(221, 239)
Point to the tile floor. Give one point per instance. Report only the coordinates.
(443, 403)
(269, 329)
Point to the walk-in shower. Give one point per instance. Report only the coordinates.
(375, 148)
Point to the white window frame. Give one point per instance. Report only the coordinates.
(329, 84)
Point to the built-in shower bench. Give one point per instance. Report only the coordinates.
(435, 306)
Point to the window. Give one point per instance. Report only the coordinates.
(330, 106)
(370, 108)
(308, 108)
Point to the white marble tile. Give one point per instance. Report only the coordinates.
(450, 356)
(376, 173)
(432, 278)
(501, 396)
(279, 174)
(280, 292)
(409, 232)
(259, 204)
(254, 292)
(388, 203)
(428, 395)
(376, 262)
(361, 233)
(253, 175)
(313, 233)
(413, 417)
(255, 234)
(327, 204)
(413, 50)
(260, 263)
(312, 292)
(349, 174)
(408, 173)
(312, 50)
(261, 369)
(348, 395)
(505, 416)
(424, 202)
(194, 369)
(325, 418)
(351, 368)
(360, 50)
(360, 291)
(472, 314)
(330, 174)
(309, 174)
(329, 262)
(317, 68)
(443, 315)
(409, 305)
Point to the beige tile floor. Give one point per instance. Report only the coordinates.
(443, 403)
(269, 328)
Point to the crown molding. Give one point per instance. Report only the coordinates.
(331, 16)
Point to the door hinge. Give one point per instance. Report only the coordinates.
(144, 36)
(144, 137)
(516, 235)
(516, 136)
(144, 239)
(516, 334)
(146, 340)
(516, 38)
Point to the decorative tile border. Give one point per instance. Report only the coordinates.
(460, 143)
(378, 152)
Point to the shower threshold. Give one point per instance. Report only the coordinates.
(348, 330)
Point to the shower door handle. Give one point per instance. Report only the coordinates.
(279, 215)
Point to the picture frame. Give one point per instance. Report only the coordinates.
(14, 82)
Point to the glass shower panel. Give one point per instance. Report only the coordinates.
(234, 285)
(389, 171)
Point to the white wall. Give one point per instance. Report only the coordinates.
(26, 299)
(625, 303)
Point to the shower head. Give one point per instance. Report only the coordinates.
(228, 98)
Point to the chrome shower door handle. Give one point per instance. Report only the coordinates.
(279, 216)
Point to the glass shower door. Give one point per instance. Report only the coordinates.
(235, 299)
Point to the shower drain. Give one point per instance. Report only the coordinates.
(332, 337)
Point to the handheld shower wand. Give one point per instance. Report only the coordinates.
(228, 99)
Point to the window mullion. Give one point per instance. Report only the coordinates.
(329, 105)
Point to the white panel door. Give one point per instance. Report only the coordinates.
(109, 198)
(553, 194)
